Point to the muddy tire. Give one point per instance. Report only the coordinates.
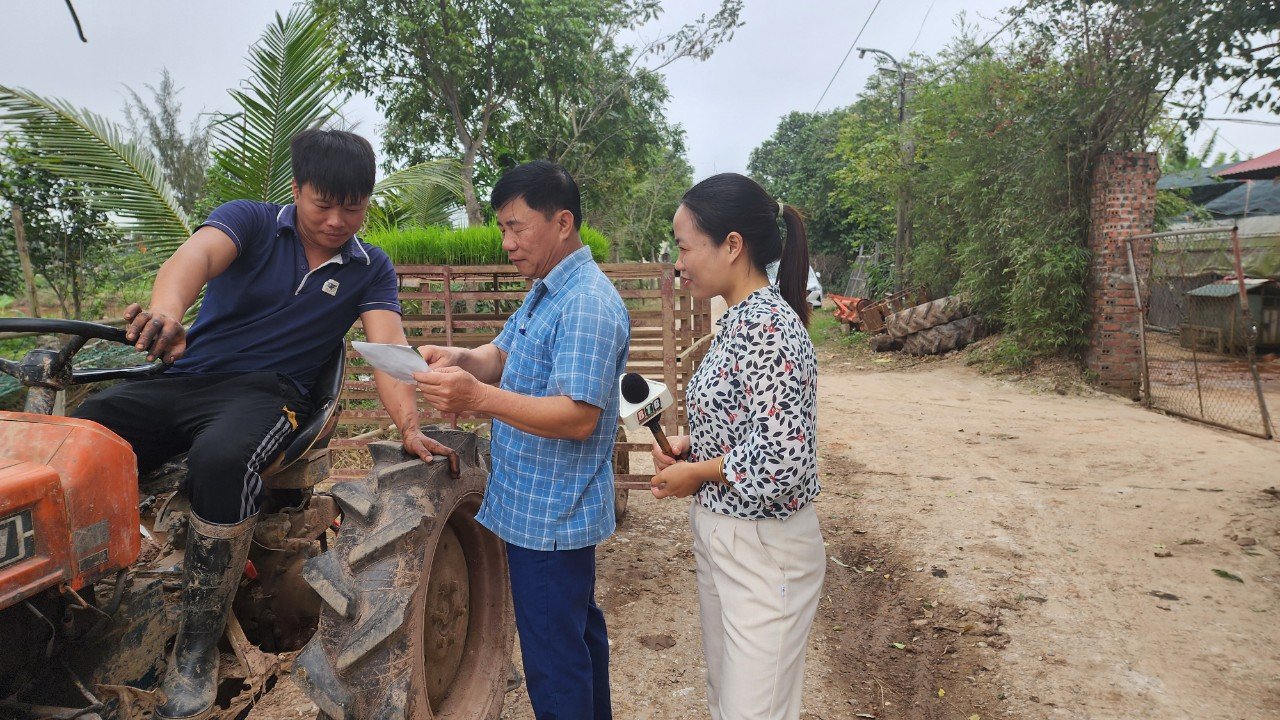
(621, 466)
(884, 343)
(620, 498)
(922, 317)
(416, 621)
(944, 338)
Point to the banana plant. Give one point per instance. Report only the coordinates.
(290, 88)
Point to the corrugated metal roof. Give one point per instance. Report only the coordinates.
(1195, 177)
(1227, 288)
(1260, 168)
(1260, 197)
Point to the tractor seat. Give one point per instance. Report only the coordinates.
(312, 436)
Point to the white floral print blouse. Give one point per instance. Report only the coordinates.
(753, 399)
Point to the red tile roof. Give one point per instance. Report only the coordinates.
(1263, 167)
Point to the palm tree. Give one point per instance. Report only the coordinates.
(291, 88)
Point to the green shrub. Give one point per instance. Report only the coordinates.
(475, 245)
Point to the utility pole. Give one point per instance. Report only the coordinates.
(902, 239)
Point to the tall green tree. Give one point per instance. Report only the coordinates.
(800, 165)
(1007, 137)
(156, 125)
(541, 76)
(607, 123)
(638, 221)
(289, 90)
(1198, 48)
(69, 239)
(605, 152)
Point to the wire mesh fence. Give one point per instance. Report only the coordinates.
(1201, 334)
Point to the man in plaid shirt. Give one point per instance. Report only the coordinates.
(555, 413)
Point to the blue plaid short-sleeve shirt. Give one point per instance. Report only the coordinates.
(569, 337)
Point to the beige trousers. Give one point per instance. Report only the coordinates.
(758, 588)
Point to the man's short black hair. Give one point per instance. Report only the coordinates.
(545, 187)
(338, 165)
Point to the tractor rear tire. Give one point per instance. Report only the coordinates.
(416, 621)
(944, 338)
(929, 315)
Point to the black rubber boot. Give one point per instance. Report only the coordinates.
(213, 565)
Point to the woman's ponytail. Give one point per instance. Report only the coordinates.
(730, 202)
(793, 270)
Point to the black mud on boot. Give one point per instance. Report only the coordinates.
(213, 565)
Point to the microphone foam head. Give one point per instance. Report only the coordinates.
(634, 388)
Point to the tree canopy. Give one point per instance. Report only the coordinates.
(1197, 48)
(69, 238)
(801, 165)
(183, 157)
(500, 81)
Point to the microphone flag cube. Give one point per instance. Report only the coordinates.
(635, 409)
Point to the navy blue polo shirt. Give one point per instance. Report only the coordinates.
(268, 312)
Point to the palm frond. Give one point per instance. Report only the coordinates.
(291, 88)
(419, 195)
(86, 148)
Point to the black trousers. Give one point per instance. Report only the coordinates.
(231, 426)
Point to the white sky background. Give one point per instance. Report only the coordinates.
(778, 62)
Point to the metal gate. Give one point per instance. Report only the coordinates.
(1200, 333)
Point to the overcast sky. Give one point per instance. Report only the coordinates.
(778, 62)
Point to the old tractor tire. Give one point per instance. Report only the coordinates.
(884, 343)
(621, 498)
(944, 338)
(416, 621)
(929, 315)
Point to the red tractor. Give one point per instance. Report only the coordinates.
(403, 614)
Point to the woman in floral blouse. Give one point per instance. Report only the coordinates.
(751, 457)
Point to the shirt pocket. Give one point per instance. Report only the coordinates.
(529, 363)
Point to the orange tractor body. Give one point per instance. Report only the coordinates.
(68, 504)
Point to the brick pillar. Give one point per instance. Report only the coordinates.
(1122, 204)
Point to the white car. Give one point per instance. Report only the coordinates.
(813, 287)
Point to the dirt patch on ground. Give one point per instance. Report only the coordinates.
(1076, 518)
(884, 642)
(891, 645)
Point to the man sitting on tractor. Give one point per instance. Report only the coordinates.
(283, 284)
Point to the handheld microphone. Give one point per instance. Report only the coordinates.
(642, 402)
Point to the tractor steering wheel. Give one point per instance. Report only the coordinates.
(59, 365)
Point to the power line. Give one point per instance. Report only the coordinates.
(1233, 145)
(1242, 121)
(1014, 18)
(846, 55)
(76, 19)
(921, 30)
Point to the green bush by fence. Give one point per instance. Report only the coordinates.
(476, 245)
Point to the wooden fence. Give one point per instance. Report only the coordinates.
(467, 306)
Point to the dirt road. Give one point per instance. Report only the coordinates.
(1100, 533)
(995, 551)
